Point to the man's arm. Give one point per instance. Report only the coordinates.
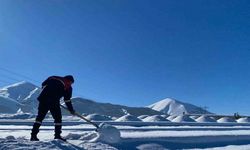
(67, 97)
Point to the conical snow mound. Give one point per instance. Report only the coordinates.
(225, 120)
(97, 117)
(244, 120)
(171, 117)
(183, 118)
(127, 118)
(204, 118)
(174, 107)
(154, 118)
(143, 117)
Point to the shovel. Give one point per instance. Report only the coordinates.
(106, 132)
(80, 116)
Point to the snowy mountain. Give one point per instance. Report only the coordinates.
(175, 107)
(89, 106)
(21, 91)
(23, 95)
(19, 95)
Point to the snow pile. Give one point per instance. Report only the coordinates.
(183, 118)
(97, 117)
(204, 118)
(127, 118)
(225, 120)
(143, 116)
(108, 134)
(174, 107)
(18, 115)
(154, 118)
(244, 120)
(12, 143)
(194, 117)
(165, 116)
(171, 117)
(105, 133)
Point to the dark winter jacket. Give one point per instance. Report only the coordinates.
(53, 90)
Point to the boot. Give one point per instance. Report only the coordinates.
(34, 132)
(33, 138)
(60, 138)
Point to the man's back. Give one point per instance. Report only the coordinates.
(53, 89)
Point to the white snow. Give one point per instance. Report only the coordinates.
(128, 118)
(183, 118)
(107, 133)
(244, 120)
(18, 91)
(129, 137)
(171, 117)
(226, 119)
(204, 118)
(154, 118)
(174, 107)
(98, 117)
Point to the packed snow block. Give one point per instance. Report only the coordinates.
(107, 134)
(128, 118)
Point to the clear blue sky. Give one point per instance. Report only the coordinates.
(133, 52)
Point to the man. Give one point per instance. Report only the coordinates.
(53, 89)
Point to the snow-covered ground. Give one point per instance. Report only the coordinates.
(15, 134)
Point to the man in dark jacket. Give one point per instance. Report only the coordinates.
(53, 89)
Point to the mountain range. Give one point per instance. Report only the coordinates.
(22, 96)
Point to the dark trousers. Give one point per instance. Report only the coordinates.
(55, 111)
